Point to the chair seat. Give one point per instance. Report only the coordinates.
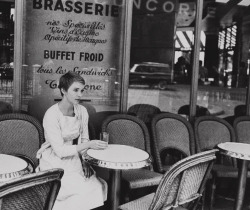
(141, 178)
(142, 203)
(226, 171)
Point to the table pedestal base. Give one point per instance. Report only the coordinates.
(115, 177)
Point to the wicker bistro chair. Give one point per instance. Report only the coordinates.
(241, 126)
(145, 112)
(21, 135)
(200, 110)
(173, 139)
(90, 108)
(129, 130)
(36, 191)
(239, 110)
(180, 187)
(209, 132)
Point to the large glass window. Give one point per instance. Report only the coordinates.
(6, 50)
(87, 37)
(220, 89)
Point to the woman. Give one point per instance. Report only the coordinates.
(64, 123)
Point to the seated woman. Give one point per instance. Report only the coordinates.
(64, 123)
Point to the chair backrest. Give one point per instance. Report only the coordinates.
(127, 130)
(184, 181)
(145, 112)
(20, 134)
(242, 129)
(171, 131)
(34, 191)
(240, 110)
(210, 131)
(91, 111)
(90, 108)
(200, 110)
(97, 119)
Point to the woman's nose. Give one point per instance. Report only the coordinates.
(80, 93)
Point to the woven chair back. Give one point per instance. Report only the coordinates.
(36, 191)
(171, 131)
(127, 130)
(97, 119)
(145, 112)
(241, 126)
(242, 129)
(90, 108)
(184, 181)
(210, 131)
(20, 134)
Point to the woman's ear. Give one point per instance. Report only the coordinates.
(62, 91)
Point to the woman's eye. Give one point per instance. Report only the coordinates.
(82, 90)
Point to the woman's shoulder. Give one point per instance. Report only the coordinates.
(81, 109)
(53, 110)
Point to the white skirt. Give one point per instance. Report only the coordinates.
(77, 192)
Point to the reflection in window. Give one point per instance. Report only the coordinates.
(6, 48)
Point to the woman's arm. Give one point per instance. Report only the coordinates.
(85, 142)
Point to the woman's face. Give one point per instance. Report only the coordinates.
(74, 93)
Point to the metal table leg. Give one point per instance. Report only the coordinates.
(115, 177)
(242, 185)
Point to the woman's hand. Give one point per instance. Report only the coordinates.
(97, 144)
(87, 170)
(93, 144)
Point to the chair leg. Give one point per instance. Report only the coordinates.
(198, 204)
(213, 189)
(203, 199)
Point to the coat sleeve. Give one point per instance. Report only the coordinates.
(84, 125)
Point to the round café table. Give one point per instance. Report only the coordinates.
(240, 151)
(12, 167)
(118, 157)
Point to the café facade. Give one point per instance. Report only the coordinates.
(102, 39)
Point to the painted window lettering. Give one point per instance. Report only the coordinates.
(88, 8)
(156, 5)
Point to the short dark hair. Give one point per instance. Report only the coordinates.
(68, 79)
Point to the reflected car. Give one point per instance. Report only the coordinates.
(158, 75)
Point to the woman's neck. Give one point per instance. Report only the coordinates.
(66, 108)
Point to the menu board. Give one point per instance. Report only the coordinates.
(82, 36)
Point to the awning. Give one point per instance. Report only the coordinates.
(185, 40)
